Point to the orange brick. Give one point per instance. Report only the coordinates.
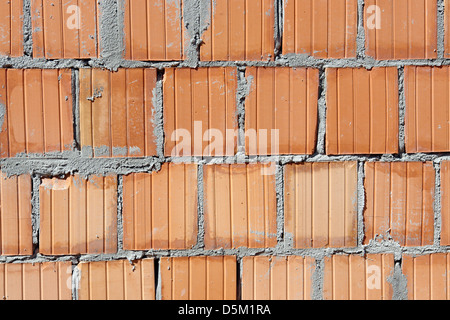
(405, 29)
(64, 29)
(38, 111)
(154, 30)
(240, 206)
(11, 28)
(239, 30)
(362, 111)
(281, 111)
(78, 216)
(198, 278)
(200, 111)
(445, 203)
(36, 281)
(160, 208)
(352, 277)
(116, 112)
(117, 280)
(277, 278)
(427, 276)
(15, 215)
(321, 204)
(320, 28)
(427, 104)
(399, 200)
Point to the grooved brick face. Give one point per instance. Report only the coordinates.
(64, 29)
(155, 30)
(11, 28)
(117, 280)
(198, 278)
(37, 107)
(238, 30)
(321, 204)
(399, 200)
(401, 29)
(320, 28)
(200, 112)
(445, 203)
(240, 206)
(15, 215)
(277, 278)
(427, 127)
(362, 111)
(160, 208)
(427, 276)
(352, 277)
(281, 110)
(36, 281)
(116, 112)
(447, 29)
(78, 216)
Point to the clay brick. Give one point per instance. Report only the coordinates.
(445, 203)
(36, 281)
(11, 28)
(200, 111)
(277, 278)
(282, 99)
(15, 215)
(352, 277)
(116, 112)
(198, 278)
(399, 200)
(239, 206)
(362, 111)
(117, 280)
(320, 28)
(427, 103)
(406, 29)
(78, 216)
(427, 276)
(38, 116)
(160, 208)
(64, 29)
(321, 204)
(238, 30)
(155, 30)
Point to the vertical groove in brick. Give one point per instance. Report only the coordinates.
(11, 22)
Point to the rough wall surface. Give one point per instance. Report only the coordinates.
(229, 149)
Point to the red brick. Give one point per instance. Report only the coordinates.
(200, 112)
(362, 111)
(117, 280)
(78, 216)
(399, 200)
(427, 276)
(427, 104)
(321, 204)
(320, 28)
(116, 112)
(65, 29)
(198, 278)
(15, 215)
(352, 277)
(277, 278)
(160, 208)
(240, 206)
(281, 110)
(36, 281)
(11, 28)
(38, 116)
(239, 30)
(155, 30)
(407, 29)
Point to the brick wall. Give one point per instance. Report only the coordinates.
(235, 149)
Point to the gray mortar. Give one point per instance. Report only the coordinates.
(401, 109)
(196, 18)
